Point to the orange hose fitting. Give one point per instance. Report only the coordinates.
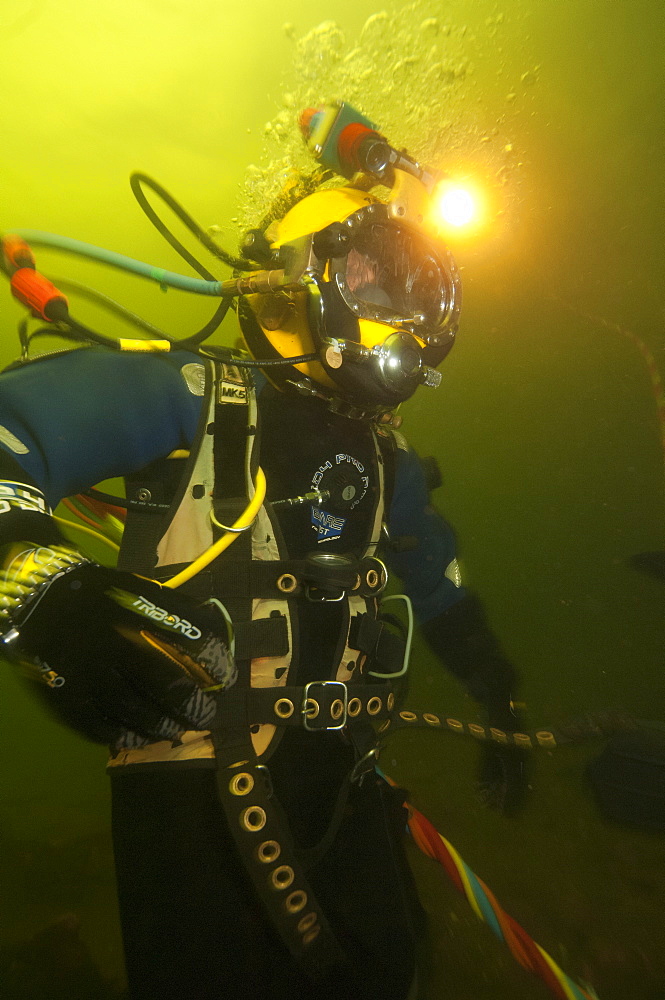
(38, 294)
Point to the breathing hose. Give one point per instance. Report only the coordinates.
(244, 521)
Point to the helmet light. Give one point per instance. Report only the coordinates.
(458, 207)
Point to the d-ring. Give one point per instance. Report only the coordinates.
(226, 527)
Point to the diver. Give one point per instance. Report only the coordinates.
(258, 851)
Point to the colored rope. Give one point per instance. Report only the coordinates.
(101, 507)
(93, 521)
(71, 506)
(486, 907)
(74, 526)
(105, 518)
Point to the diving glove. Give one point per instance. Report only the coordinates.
(108, 651)
(504, 768)
(463, 638)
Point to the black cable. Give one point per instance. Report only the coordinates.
(226, 355)
(72, 330)
(270, 362)
(24, 337)
(108, 498)
(197, 338)
(67, 284)
(81, 332)
(145, 506)
(77, 331)
(137, 180)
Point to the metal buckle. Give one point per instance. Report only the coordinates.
(311, 595)
(344, 697)
(364, 765)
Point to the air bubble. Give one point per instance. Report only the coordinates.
(530, 76)
(373, 22)
(409, 73)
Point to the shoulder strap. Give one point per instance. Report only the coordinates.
(163, 487)
(388, 445)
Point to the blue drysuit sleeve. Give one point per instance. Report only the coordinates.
(74, 419)
(422, 566)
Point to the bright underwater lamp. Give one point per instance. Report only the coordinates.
(458, 206)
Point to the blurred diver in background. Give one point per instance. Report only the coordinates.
(241, 658)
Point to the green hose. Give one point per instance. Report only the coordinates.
(163, 278)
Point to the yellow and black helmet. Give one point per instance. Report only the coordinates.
(379, 303)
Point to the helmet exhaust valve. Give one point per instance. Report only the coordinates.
(432, 378)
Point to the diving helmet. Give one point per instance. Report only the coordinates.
(374, 296)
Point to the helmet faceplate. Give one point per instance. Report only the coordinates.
(380, 302)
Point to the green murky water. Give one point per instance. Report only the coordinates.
(545, 426)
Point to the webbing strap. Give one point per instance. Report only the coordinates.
(261, 637)
(372, 637)
(387, 448)
(277, 579)
(315, 706)
(266, 847)
(259, 828)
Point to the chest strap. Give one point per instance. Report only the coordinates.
(316, 706)
(279, 578)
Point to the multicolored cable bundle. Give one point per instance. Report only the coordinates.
(484, 904)
(104, 521)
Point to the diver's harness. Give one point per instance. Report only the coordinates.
(258, 589)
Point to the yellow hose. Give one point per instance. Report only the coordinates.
(245, 519)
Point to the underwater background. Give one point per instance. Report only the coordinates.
(546, 426)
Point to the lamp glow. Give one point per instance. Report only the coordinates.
(457, 207)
